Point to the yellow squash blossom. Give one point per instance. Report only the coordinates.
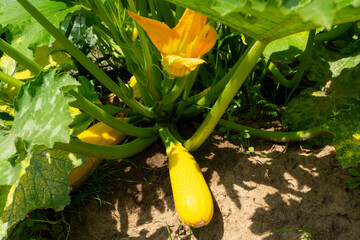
(181, 47)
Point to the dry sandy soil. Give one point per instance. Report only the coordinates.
(254, 194)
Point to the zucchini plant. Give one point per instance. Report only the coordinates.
(48, 69)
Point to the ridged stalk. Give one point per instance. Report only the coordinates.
(101, 115)
(20, 58)
(11, 80)
(107, 152)
(275, 136)
(226, 96)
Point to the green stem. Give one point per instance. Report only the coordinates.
(302, 67)
(334, 33)
(107, 152)
(11, 80)
(186, 94)
(211, 96)
(83, 60)
(167, 137)
(153, 10)
(175, 92)
(87, 106)
(226, 96)
(275, 136)
(70, 26)
(148, 59)
(20, 58)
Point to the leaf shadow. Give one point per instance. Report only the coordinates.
(253, 196)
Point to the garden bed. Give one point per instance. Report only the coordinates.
(254, 194)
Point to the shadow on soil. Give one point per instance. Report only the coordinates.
(254, 194)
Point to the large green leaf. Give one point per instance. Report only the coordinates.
(347, 84)
(24, 31)
(42, 109)
(43, 183)
(327, 63)
(337, 74)
(41, 113)
(286, 49)
(300, 113)
(270, 20)
(7, 146)
(346, 128)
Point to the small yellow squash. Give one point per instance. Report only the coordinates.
(101, 134)
(192, 197)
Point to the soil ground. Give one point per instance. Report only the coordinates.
(254, 194)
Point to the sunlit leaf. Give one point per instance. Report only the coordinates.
(346, 128)
(326, 63)
(43, 183)
(41, 113)
(270, 20)
(287, 48)
(24, 31)
(43, 103)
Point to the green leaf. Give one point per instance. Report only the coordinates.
(43, 183)
(8, 173)
(352, 183)
(53, 56)
(300, 113)
(87, 89)
(336, 67)
(7, 146)
(42, 109)
(346, 128)
(24, 31)
(286, 49)
(327, 63)
(346, 85)
(41, 113)
(320, 12)
(81, 31)
(354, 172)
(270, 20)
(7, 65)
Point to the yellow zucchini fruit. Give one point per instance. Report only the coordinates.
(192, 197)
(101, 134)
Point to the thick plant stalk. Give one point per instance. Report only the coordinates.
(101, 115)
(226, 96)
(176, 91)
(20, 58)
(334, 33)
(214, 92)
(107, 152)
(276, 136)
(16, 83)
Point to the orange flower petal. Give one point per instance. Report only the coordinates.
(159, 33)
(177, 66)
(188, 27)
(203, 42)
